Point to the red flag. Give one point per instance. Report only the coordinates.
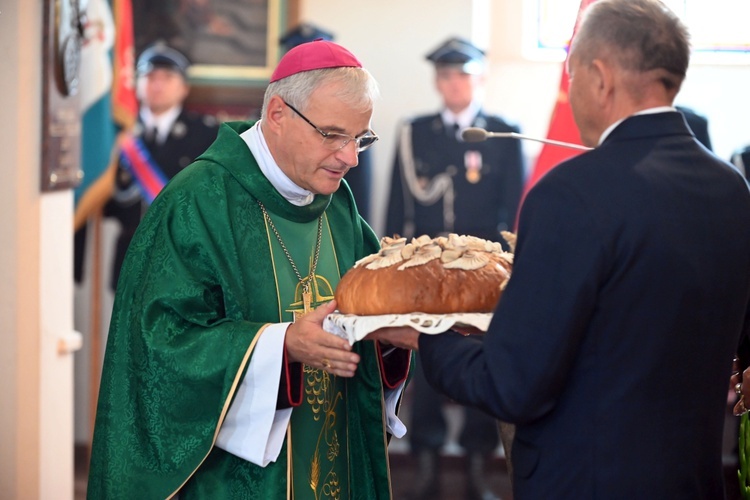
(562, 127)
(124, 103)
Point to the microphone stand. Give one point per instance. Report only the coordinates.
(475, 134)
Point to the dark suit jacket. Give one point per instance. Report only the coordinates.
(482, 208)
(612, 345)
(191, 134)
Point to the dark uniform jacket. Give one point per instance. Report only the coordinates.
(359, 179)
(441, 184)
(190, 135)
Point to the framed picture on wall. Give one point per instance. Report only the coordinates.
(225, 40)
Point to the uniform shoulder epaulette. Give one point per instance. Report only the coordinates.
(497, 122)
(422, 119)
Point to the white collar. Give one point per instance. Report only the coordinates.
(163, 122)
(649, 111)
(463, 118)
(294, 194)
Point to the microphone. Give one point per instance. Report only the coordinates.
(476, 134)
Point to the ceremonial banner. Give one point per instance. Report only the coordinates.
(124, 102)
(98, 132)
(108, 105)
(107, 89)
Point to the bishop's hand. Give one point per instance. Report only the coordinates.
(307, 342)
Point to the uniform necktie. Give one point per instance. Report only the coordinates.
(151, 135)
(454, 130)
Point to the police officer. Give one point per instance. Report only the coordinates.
(440, 185)
(171, 136)
(359, 178)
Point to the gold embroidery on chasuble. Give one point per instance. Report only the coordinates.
(318, 445)
(328, 466)
(321, 292)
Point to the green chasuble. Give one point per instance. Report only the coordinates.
(202, 278)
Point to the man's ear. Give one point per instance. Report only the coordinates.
(603, 79)
(275, 113)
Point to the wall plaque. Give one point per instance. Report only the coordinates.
(61, 120)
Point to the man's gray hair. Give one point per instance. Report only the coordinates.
(638, 35)
(357, 87)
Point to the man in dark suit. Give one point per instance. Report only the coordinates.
(441, 184)
(172, 136)
(612, 345)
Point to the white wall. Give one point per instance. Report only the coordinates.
(721, 94)
(391, 37)
(36, 431)
(55, 309)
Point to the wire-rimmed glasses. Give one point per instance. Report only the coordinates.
(335, 141)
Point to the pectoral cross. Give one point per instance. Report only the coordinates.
(306, 300)
(306, 296)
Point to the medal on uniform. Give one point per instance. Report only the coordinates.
(179, 130)
(473, 164)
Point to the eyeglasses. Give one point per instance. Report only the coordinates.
(335, 141)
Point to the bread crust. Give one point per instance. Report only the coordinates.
(428, 287)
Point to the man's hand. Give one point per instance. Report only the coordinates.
(307, 342)
(404, 337)
(740, 382)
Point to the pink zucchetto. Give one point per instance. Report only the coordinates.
(318, 54)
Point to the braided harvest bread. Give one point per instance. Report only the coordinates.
(453, 274)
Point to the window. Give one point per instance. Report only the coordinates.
(549, 26)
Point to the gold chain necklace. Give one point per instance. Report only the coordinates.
(307, 280)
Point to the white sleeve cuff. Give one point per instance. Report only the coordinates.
(253, 429)
(394, 425)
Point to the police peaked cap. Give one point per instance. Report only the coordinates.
(458, 52)
(160, 55)
(303, 33)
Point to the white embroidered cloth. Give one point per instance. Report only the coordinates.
(354, 328)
